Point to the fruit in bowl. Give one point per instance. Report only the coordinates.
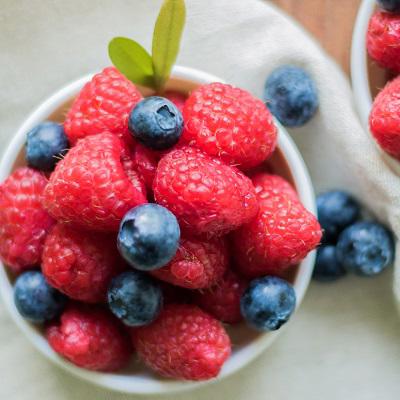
(375, 65)
(138, 208)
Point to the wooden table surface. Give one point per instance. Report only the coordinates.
(331, 21)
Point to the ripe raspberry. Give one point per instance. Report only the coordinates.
(80, 264)
(223, 300)
(276, 185)
(183, 343)
(130, 168)
(103, 105)
(91, 338)
(146, 161)
(281, 235)
(207, 196)
(383, 39)
(90, 188)
(177, 98)
(197, 264)
(230, 123)
(384, 120)
(23, 221)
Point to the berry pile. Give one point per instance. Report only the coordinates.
(383, 45)
(136, 228)
(349, 244)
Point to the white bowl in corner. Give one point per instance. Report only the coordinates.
(248, 344)
(361, 77)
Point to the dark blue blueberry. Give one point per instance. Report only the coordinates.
(390, 5)
(336, 211)
(135, 298)
(291, 95)
(35, 299)
(365, 248)
(156, 123)
(45, 145)
(327, 266)
(148, 237)
(268, 303)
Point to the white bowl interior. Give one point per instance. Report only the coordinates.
(286, 161)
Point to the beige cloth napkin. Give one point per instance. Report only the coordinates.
(45, 44)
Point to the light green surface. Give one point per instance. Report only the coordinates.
(344, 343)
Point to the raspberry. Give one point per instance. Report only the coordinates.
(223, 300)
(206, 195)
(177, 98)
(90, 188)
(383, 38)
(276, 185)
(23, 221)
(130, 168)
(384, 120)
(230, 123)
(197, 264)
(90, 338)
(80, 264)
(146, 161)
(103, 105)
(183, 343)
(281, 235)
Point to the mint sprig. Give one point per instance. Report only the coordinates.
(153, 71)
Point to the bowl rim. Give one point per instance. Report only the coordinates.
(133, 384)
(359, 62)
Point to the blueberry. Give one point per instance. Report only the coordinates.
(35, 299)
(327, 266)
(45, 145)
(268, 303)
(156, 123)
(291, 95)
(336, 211)
(390, 5)
(365, 248)
(148, 237)
(135, 298)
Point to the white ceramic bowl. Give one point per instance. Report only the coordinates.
(359, 61)
(367, 78)
(248, 344)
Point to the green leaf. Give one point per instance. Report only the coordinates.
(166, 39)
(132, 60)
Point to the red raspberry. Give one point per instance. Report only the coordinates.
(281, 235)
(384, 120)
(103, 105)
(130, 168)
(383, 38)
(23, 221)
(80, 264)
(183, 343)
(230, 123)
(177, 98)
(223, 300)
(206, 195)
(146, 161)
(197, 264)
(90, 338)
(90, 188)
(276, 185)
